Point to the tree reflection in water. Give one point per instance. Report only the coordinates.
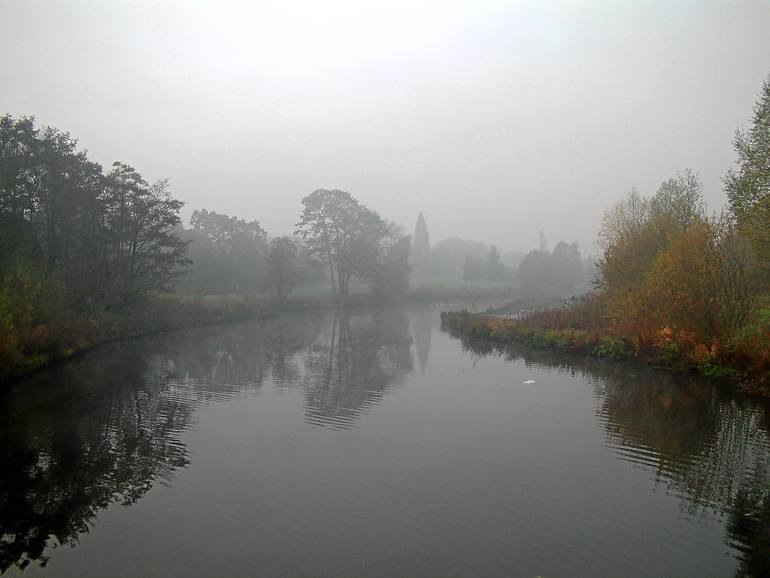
(708, 445)
(68, 450)
(353, 365)
(422, 320)
(105, 428)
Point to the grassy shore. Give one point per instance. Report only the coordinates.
(25, 350)
(22, 352)
(539, 331)
(422, 290)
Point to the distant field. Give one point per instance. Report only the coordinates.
(421, 287)
(453, 283)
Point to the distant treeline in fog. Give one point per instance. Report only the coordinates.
(231, 256)
(337, 240)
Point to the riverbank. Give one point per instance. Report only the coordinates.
(26, 351)
(23, 352)
(500, 333)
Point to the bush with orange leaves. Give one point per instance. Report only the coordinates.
(751, 346)
(682, 286)
(677, 288)
(680, 290)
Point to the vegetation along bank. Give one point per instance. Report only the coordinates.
(675, 286)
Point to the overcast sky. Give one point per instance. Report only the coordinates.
(495, 119)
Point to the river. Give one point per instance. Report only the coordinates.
(374, 444)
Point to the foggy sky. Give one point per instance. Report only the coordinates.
(495, 119)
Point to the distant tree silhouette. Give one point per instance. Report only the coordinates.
(344, 233)
(281, 273)
(228, 253)
(421, 246)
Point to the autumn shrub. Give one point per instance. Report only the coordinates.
(751, 345)
(629, 314)
(584, 312)
(681, 285)
(614, 348)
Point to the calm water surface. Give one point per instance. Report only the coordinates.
(374, 444)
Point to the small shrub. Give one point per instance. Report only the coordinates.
(614, 348)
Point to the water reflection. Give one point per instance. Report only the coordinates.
(353, 365)
(105, 428)
(700, 441)
(422, 321)
(224, 361)
(81, 441)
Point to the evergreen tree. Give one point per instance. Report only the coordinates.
(421, 246)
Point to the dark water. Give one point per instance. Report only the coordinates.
(375, 445)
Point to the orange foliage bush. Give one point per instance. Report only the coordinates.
(681, 286)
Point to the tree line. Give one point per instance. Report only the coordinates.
(76, 238)
(73, 235)
(79, 243)
(337, 239)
